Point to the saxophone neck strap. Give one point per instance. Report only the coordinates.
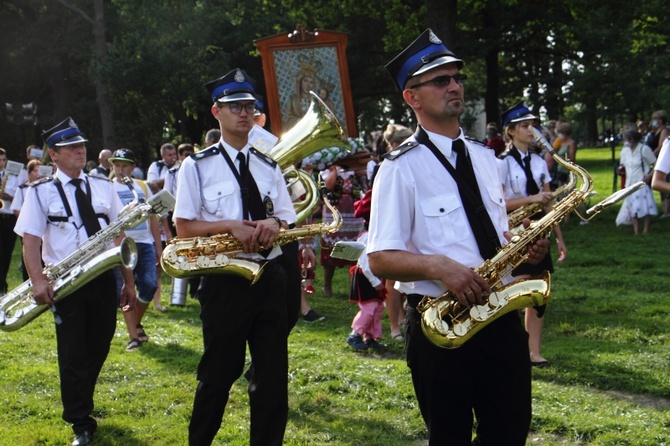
(467, 194)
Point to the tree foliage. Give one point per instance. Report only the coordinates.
(596, 63)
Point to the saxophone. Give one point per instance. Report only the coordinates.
(217, 254)
(448, 324)
(517, 216)
(18, 308)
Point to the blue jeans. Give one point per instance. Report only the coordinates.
(144, 273)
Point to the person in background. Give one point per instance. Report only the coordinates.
(33, 174)
(526, 181)
(149, 249)
(340, 184)
(167, 228)
(421, 236)
(104, 168)
(85, 322)
(635, 160)
(231, 188)
(8, 185)
(159, 169)
(493, 138)
(32, 153)
(367, 290)
(660, 132)
(394, 135)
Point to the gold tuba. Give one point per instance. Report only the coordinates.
(316, 130)
(448, 324)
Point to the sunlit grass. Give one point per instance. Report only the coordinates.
(607, 334)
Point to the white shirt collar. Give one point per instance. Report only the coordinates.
(232, 152)
(444, 142)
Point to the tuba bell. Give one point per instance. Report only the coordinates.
(316, 130)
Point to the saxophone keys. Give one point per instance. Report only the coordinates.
(460, 329)
(172, 257)
(479, 313)
(222, 260)
(203, 261)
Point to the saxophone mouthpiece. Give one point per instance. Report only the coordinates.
(540, 139)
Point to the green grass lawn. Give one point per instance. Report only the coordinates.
(607, 334)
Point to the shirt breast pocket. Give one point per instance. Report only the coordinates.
(266, 190)
(495, 196)
(101, 204)
(56, 209)
(445, 219)
(215, 194)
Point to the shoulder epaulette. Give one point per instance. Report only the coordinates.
(400, 150)
(39, 181)
(504, 153)
(209, 151)
(263, 156)
(98, 177)
(475, 141)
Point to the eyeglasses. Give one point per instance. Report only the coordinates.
(443, 81)
(236, 107)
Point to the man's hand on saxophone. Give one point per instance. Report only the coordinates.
(264, 234)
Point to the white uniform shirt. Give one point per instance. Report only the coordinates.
(11, 185)
(514, 177)
(19, 197)
(142, 232)
(60, 239)
(416, 207)
(170, 183)
(663, 162)
(208, 191)
(363, 263)
(157, 170)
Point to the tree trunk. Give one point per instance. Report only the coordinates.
(102, 94)
(441, 18)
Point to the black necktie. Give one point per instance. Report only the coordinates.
(531, 185)
(251, 197)
(476, 212)
(252, 202)
(86, 211)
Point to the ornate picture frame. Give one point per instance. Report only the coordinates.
(301, 61)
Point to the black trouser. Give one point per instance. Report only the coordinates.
(289, 261)
(7, 241)
(88, 322)
(233, 314)
(488, 375)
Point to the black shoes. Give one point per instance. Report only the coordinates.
(83, 438)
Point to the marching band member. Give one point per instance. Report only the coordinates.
(526, 180)
(8, 185)
(232, 188)
(61, 213)
(424, 235)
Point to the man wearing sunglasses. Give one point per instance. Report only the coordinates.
(232, 188)
(437, 213)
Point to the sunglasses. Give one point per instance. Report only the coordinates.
(443, 81)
